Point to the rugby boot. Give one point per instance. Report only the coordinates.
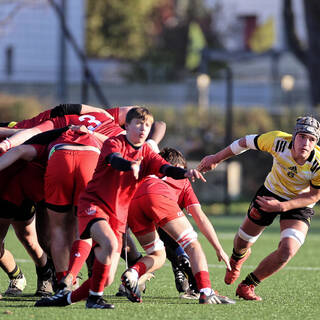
(185, 266)
(181, 281)
(16, 286)
(246, 292)
(233, 274)
(214, 298)
(60, 299)
(130, 281)
(190, 294)
(97, 302)
(121, 291)
(44, 288)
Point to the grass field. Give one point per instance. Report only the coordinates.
(292, 293)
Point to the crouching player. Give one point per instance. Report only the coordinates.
(290, 190)
(159, 202)
(103, 207)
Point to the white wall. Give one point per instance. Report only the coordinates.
(263, 9)
(34, 33)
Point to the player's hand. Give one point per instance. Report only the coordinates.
(135, 166)
(79, 129)
(194, 174)
(269, 204)
(207, 163)
(222, 256)
(3, 148)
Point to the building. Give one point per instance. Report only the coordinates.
(31, 41)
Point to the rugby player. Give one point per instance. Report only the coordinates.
(102, 211)
(290, 190)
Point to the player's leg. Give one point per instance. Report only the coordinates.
(17, 280)
(246, 236)
(130, 255)
(181, 230)
(107, 254)
(62, 234)
(293, 233)
(43, 227)
(26, 233)
(153, 260)
(180, 262)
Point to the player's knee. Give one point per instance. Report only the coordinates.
(247, 237)
(294, 234)
(154, 246)
(187, 237)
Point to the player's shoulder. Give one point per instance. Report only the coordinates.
(276, 134)
(274, 137)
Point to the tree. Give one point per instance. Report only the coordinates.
(119, 28)
(152, 34)
(309, 56)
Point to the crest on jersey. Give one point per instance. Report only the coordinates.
(292, 171)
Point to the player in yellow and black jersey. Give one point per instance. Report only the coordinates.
(290, 190)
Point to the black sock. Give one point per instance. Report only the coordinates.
(237, 256)
(251, 279)
(45, 272)
(15, 273)
(133, 262)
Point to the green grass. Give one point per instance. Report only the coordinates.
(292, 293)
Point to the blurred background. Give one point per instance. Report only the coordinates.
(213, 70)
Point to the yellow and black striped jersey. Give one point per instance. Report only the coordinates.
(287, 178)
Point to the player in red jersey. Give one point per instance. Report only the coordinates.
(81, 248)
(17, 200)
(72, 159)
(158, 202)
(124, 161)
(50, 119)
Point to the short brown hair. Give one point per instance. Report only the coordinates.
(139, 113)
(174, 157)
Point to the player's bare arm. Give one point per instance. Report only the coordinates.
(8, 132)
(208, 231)
(23, 135)
(211, 162)
(25, 152)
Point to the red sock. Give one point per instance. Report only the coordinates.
(60, 275)
(203, 279)
(140, 267)
(100, 273)
(81, 293)
(79, 253)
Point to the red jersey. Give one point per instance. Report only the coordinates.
(111, 189)
(29, 123)
(179, 191)
(72, 137)
(91, 120)
(115, 113)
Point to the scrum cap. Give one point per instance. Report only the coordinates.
(308, 125)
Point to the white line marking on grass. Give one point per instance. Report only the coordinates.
(253, 267)
(220, 266)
